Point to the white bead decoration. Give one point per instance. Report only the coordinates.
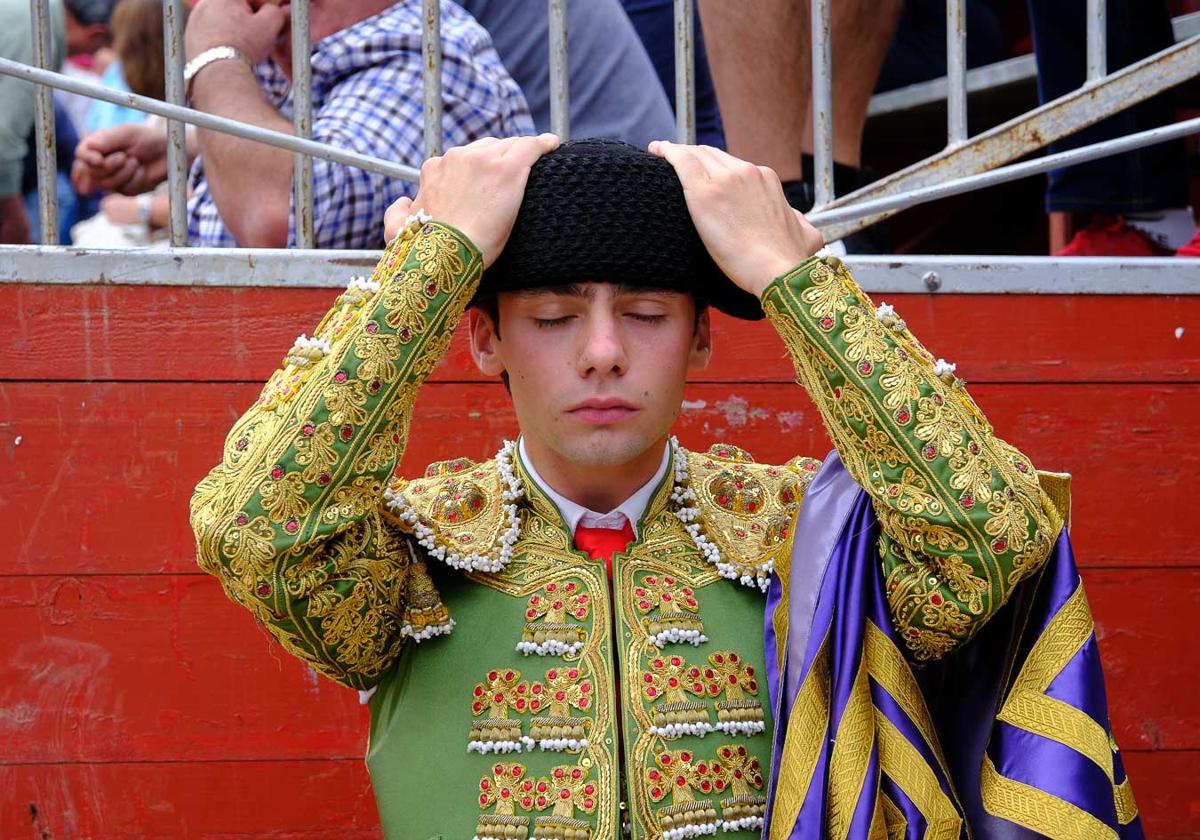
(526, 744)
(428, 633)
(741, 727)
(550, 648)
(689, 831)
(677, 730)
(676, 636)
(306, 351)
(744, 824)
(561, 744)
(512, 492)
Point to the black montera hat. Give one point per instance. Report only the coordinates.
(603, 210)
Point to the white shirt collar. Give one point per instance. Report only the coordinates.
(574, 514)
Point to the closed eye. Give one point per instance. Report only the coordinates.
(546, 323)
(647, 319)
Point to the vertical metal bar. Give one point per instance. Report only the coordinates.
(560, 76)
(176, 130)
(1097, 44)
(47, 169)
(956, 72)
(822, 100)
(302, 166)
(431, 48)
(685, 72)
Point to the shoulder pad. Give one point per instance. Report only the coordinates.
(455, 511)
(748, 509)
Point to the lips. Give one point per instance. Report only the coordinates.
(602, 411)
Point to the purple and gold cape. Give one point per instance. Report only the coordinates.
(1007, 738)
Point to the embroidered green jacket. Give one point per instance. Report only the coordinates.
(564, 705)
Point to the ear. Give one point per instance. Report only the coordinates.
(701, 351)
(484, 343)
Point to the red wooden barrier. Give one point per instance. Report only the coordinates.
(135, 701)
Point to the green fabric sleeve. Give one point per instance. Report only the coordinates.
(963, 516)
(291, 520)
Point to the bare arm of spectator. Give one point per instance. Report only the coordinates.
(250, 182)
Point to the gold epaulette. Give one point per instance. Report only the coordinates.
(748, 509)
(455, 511)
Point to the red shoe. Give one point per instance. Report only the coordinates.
(1104, 238)
(1192, 249)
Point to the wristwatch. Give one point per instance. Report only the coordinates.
(209, 56)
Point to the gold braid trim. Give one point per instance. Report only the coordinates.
(901, 761)
(897, 824)
(808, 722)
(1037, 810)
(851, 756)
(1027, 706)
(1127, 809)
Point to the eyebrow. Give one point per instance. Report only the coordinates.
(588, 290)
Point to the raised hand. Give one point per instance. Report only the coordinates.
(740, 211)
(129, 159)
(476, 188)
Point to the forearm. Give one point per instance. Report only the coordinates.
(963, 515)
(286, 518)
(251, 183)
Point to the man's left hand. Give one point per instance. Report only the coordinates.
(740, 211)
(252, 28)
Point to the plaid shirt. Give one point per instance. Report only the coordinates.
(367, 97)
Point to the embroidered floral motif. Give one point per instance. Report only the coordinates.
(728, 674)
(554, 635)
(669, 610)
(669, 679)
(570, 790)
(501, 691)
(565, 689)
(742, 811)
(677, 774)
(505, 789)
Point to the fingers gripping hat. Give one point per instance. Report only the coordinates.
(606, 211)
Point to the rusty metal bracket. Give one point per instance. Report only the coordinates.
(1033, 130)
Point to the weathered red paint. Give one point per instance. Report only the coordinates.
(135, 701)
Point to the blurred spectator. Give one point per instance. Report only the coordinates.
(762, 67)
(1138, 201)
(612, 93)
(367, 97)
(135, 220)
(918, 50)
(654, 21)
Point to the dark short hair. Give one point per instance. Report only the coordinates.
(89, 12)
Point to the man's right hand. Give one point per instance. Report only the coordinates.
(129, 159)
(476, 188)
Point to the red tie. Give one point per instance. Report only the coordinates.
(602, 542)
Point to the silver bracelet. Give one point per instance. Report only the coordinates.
(209, 56)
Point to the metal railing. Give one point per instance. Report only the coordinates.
(966, 164)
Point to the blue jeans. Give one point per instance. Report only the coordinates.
(654, 21)
(1152, 178)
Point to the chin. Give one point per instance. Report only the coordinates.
(609, 447)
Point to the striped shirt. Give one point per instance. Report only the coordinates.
(367, 97)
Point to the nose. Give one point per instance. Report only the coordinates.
(602, 352)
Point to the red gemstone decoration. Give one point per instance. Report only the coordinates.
(372, 327)
(347, 432)
(242, 519)
(263, 589)
(276, 472)
(865, 368)
(291, 526)
(1000, 544)
(339, 377)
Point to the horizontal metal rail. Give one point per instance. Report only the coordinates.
(323, 269)
(824, 219)
(246, 131)
(1018, 70)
